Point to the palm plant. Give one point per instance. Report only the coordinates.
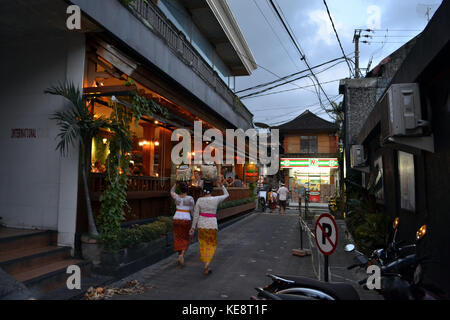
(77, 128)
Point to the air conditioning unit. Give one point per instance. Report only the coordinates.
(357, 159)
(402, 122)
(404, 109)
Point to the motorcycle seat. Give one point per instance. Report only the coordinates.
(340, 291)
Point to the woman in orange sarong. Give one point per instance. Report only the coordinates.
(182, 220)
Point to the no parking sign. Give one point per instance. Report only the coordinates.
(326, 234)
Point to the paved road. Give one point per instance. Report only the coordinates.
(247, 250)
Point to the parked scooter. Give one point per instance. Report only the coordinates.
(401, 278)
(262, 196)
(396, 283)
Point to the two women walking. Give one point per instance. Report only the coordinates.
(204, 219)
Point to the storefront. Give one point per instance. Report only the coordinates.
(109, 84)
(316, 176)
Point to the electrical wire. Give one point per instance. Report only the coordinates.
(287, 82)
(289, 90)
(289, 31)
(288, 76)
(337, 37)
(275, 33)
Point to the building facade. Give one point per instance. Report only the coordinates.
(309, 157)
(186, 66)
(415, 165)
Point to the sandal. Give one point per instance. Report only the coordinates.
(207, 272)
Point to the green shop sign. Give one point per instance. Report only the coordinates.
(309, 163)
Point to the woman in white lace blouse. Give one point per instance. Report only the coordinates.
(182, 220)
(206, 221)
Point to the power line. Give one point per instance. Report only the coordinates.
(288, 76)
(394, 30)
(278, 92)
(276, 34)
(370, 42)
(284, 107)
(337, 37)
(287, 82)
(299, 50)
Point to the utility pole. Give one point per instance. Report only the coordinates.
(356, 38)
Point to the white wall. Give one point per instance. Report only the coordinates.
(38, 188)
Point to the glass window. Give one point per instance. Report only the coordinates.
(145, 153)
(308, 144)
(379, 192)
(407, 181)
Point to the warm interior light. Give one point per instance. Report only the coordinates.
(105, 141)
(156, 122)
(422, 232)
(396, 221)
(157, 143)
(144, 143)
(157, 174)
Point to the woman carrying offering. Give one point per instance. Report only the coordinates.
(182, 220)
(205, 219)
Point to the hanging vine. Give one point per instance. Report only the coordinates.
(114, 199)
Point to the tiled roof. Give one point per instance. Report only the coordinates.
(308, 121)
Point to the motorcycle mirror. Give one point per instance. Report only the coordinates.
(421, 232)
(349, 248)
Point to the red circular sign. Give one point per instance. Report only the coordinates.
(326, 233)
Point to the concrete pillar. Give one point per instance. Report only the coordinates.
(68, 171)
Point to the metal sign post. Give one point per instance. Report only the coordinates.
(301, 252)
(326, 238)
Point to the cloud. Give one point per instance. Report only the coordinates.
(324, 28)
(374, 19)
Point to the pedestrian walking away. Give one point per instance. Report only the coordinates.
(205, 219)
(182, 219)
(283, 196)
(272, 199)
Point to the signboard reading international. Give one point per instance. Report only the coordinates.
(308, 163)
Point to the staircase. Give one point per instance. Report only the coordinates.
(33, 258)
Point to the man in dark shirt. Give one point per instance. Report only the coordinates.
(237, 182)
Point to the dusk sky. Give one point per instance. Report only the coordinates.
(277, 56)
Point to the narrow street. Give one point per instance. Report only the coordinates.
(247, 250)
(129, 124)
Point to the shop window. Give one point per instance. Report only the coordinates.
(145, 154)
(308, 144)
(407, 181)
(379, 183)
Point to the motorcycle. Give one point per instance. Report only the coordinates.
(262, 204)
(396, 282)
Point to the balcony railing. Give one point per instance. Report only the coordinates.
(98, 184)
(153, 17)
